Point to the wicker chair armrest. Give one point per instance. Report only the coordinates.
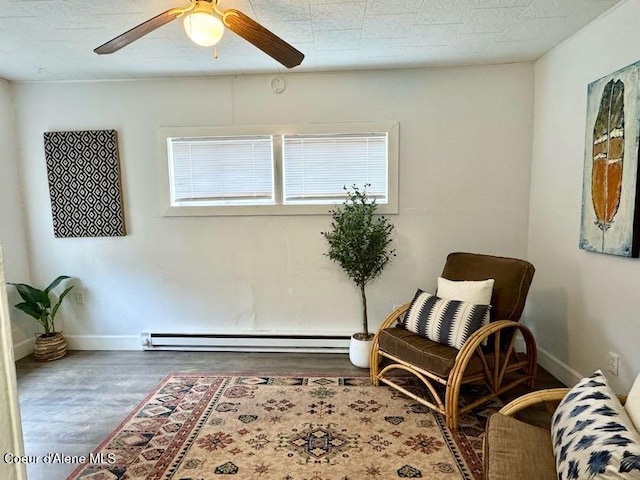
(541, 396)
(483, 333)
(474, 344)
(394, 316)
(533, 398)
(390, 320)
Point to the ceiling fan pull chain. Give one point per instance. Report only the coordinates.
(215, 52)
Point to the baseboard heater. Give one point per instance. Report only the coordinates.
(245, 342)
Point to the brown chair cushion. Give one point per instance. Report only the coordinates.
(512, 280)
(514, 450)
(422, 352)
(416, 350)
(429, 355)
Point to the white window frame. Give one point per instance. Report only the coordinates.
(279, 208)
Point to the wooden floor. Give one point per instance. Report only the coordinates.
(70, 405)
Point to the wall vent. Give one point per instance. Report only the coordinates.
(245, 342)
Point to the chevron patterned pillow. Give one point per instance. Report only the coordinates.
(450, 322)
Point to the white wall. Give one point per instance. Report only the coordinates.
(465, 153)
(583, 304)
(14, 239)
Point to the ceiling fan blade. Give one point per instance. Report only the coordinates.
(262, 38)
(139, 31)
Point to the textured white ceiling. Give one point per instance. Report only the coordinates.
(54, 39)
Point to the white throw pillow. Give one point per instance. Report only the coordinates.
(478, 292)
(633, 403)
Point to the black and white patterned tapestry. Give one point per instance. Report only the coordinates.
(84, 183)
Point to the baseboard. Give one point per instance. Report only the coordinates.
(23, 348)
(552, 364)
(103, 342)
(133, 342)
(558, 368)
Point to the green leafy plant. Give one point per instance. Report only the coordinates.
(40, 305)
(359, 241)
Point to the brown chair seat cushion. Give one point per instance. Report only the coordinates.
(423, 353)
(514, 450)
(426, 354)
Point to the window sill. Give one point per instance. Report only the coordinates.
(261, 210)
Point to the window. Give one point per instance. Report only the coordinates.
(318, 167)
(276, 169)
(221, 170)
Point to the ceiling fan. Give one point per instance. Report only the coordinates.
(204, 23)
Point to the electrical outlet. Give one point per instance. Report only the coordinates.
(79, 297)
(613, 363)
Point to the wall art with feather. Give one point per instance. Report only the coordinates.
(610, 199)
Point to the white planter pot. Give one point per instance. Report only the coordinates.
(359, 351)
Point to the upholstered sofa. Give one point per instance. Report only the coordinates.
(593, 435)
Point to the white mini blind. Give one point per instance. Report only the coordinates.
(318, 167)
(221, 170)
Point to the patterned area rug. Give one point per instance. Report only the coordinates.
(202, 427)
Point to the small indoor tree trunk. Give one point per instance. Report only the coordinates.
(365, 323)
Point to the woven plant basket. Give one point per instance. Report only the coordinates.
(50, 348)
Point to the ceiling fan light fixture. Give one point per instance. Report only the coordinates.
(204, 28)
(204, 23)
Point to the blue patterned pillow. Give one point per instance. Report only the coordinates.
(444, 321)
(593, 437)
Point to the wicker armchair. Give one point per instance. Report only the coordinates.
(488, 355)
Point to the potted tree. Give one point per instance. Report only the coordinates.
(359, 241)
(39, 304)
